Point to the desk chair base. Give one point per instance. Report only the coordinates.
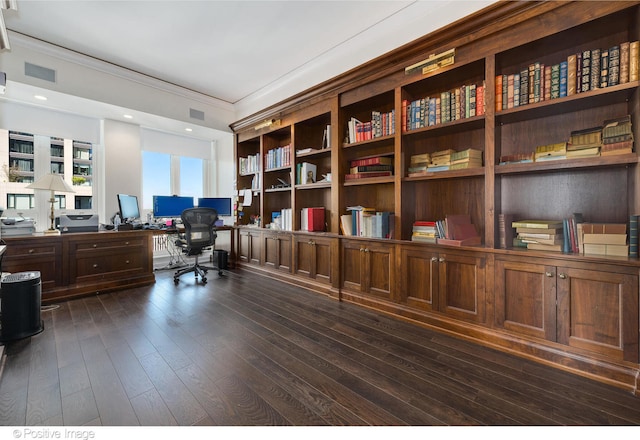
(197, 269)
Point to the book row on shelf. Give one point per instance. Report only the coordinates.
(444, 160)
(249, 164)
(581, 72)
(613, 137)
(456, 230)
(278, 157)
(572, 235)
(367, 222)
(381, 124)
(452, 105)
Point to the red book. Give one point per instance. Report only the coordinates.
(480, 100)
(312, 219)
(376, 160)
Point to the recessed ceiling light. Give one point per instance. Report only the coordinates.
(128, 116)
(40, 97)
(188, 129)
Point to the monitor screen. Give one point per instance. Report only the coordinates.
(170, 206)
(220, 204)
(128, 205)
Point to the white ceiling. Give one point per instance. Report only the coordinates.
(248, 53)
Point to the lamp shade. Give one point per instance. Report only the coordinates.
(52, 182)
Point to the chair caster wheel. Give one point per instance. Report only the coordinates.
(176, 280)
(204, 281)
(220, 273)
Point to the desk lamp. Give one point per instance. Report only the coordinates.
(52, 182)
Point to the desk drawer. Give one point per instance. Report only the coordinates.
(38, 250)
(106, 266)
(97, 245)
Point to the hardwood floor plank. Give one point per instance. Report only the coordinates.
(79, 408)
(182, 404)
(132, 376)
(114, 407)
(151, 409)
(73, 378)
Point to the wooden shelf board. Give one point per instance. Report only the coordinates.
(568, 164)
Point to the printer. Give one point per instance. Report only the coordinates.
(16, 226)
(79, 223)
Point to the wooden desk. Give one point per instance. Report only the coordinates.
(78, 264)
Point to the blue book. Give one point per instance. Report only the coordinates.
(564, 70)
(432, 111)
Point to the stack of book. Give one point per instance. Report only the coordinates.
(617, 136)
(469, 158)
(424, 231)
(555, 151)
(440, 160)
(544, 235)
(605, 239)
(516, 158)
(376, 166)
(278, 157)
(585, 143)
(419, 163)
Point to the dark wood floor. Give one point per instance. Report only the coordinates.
(245, 350)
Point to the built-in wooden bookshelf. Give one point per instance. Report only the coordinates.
(473, 291)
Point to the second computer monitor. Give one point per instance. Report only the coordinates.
(170, 206)
(220, 204)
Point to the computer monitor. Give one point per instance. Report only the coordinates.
(220, 204)
(129, 209)
(170, 206)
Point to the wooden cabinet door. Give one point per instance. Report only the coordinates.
(352, 265)
(525, 298)
(598, 311)
(313, 258)
(249, 247)
(379, 267)
(462, 286)
(418, 278)
(277, 250)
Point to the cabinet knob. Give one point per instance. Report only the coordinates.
(366, 249)
(549, 274)
(562, 276)
(434, 259)
(95, 245)
(127, 243)
(312, 243)
(361, 249)
(95, 265)
(31, 251)
(441, 260)
(127, 261)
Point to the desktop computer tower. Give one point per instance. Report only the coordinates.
(20, 299)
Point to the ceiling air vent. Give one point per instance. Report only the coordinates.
(39, 72)
(196, 114)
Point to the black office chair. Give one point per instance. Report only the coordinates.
(199, 235)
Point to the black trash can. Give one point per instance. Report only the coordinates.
(20, 299)
(220, 259)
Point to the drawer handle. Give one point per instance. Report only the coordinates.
(441, 260)
(127, 261)
(95, 265)
(562, 276)
(31, 251)
(126, 242)
(95, 245)
(366, 249)
(434, 259)
(549, 274)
